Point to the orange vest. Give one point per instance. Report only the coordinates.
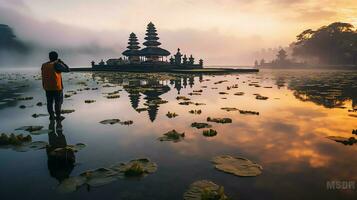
(51, 80)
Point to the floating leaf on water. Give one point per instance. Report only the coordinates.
(13, 139)
(183, 98)
(239, 93)
(199, 104)
(200, 125)
(128, 122)
(114, 96)
(209, 133)
(248, 112)
(219, 120)
(22, 106)
(233, 86)
(39, 115)
(145, 164)
(116, 121)
(237, 165)
(223, 93)
(196, 112)
(228, 109)
(205, 190)
(155, 102)
(219, 82)
(194, 93)
(260, 97)
(30, 128)
(172, 136)
(24, 98)
(71, 184)
(110, 121)
(102, 176)
(89, 101)
(41, 132)
(171, 115)
(343, 140)
(39, 104)
(67, 111)
(186, 103)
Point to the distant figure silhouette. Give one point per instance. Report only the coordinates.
(52, 84)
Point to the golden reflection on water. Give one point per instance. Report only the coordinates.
(287, 131)
(288, 135)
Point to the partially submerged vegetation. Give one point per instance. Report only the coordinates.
(171, 114)
(116, 121)
(196, 112)
(209, 133)
(219, 120)
(200, 125)
(137, 168)
(205, 190)
(238, 166)
(172, 136)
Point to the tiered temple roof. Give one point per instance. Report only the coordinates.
(152, 44)
(133, 48)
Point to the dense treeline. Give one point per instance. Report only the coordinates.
(9, 42)
(335, 44)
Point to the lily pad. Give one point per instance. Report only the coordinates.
(89, 101)
(219, 120)
(209, 133)
(114, 96)
(13, 139)
(196, 112)
(39, 115)
(116, 121)
(171, 115)
(172, 136)
(30, 128)
(205, 190)
(237, 166)
(239, 93)
(183, 98)
(260, 97)
(67, 111)
(110, 121)
(229, 109)
(199, 125)
(135, 168)
(24, 98)
(244, 112)
(71, 184)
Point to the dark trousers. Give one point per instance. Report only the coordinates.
(55, 97)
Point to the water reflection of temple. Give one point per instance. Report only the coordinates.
(148, 88)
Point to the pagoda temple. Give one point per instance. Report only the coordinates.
(149, 58)
(152, 52)
(133, 52)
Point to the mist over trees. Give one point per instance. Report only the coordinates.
(335, 44)
(9, 41)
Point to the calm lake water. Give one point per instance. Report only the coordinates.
(288, 137)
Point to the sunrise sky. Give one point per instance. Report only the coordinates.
(220, 31)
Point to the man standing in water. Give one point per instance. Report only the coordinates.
(52, 84)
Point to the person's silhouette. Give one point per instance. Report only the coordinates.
(60, 160)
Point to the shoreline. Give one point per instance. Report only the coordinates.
(193, 71)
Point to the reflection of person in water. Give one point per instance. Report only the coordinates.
(60, 159)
